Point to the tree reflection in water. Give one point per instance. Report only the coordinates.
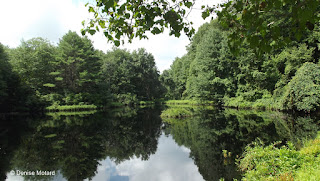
(75, 145)
(216, 138)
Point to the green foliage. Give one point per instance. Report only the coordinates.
(71, 107)
(14, 95)
(211, 71)
(303, 93)
(211, 131)
(176, 113)
(131, 76)
(33, 61)
(244, 80)
(265, 25)
(272, 162)
(188, 102)
(268, 25)
(131, 19)
(74, 73)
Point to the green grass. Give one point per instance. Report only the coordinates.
(176, 113)
(261, 162)
(71, 108)
(189, 102)
(260, 104)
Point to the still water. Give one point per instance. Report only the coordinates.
(137, 145)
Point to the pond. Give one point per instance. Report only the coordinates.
(136, 144)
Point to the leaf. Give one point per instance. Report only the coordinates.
(117, 42)
(205, 14)
(83, 32)
(91, 10)
(188, 4)
(156, 30)
(92, 32)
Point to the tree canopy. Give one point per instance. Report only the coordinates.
(259, 22)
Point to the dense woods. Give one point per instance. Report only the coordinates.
(287, 78)
(38, 74)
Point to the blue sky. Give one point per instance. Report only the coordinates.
(51, 19)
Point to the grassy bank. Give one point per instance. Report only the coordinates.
(260, 104)
(55, 108)
(187, 102)
(273, 162)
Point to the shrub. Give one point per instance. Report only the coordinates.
(176, 113)
(303, 93)
(260, 162)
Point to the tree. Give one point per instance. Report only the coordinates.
(268, 24)
(146, 75)
(211, 74)
(303, 92)
(257, 21)
(77, 68)
(8, 82)
(131, 74)
(134, 18)
(33, 61)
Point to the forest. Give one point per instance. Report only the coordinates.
(256, 54)
(285, 78)
(266, 66)
(38, 74)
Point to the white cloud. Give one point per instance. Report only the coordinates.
(51, 19)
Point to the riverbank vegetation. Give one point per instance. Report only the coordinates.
(286, 78)
(276, 162)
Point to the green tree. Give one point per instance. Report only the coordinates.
(33, 61)
(268, 24)
(258, 22)
(145, 75)
(303, 92)
(212, 71)
(134, 18)
(78, 65)
(131, 75)
(14, 96)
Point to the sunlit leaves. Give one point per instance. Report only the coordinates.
(132, 19)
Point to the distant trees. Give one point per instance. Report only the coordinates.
(75, 73)
(131, 76)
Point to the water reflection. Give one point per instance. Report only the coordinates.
(170, 162)
(216, 138)
(135, 144)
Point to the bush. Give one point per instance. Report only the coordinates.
(303, 93)
(272, 162)
(176, 113)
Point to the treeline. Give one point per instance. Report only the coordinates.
(38, 74)
(287, 78)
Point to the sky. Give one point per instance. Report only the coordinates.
(51, 19)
